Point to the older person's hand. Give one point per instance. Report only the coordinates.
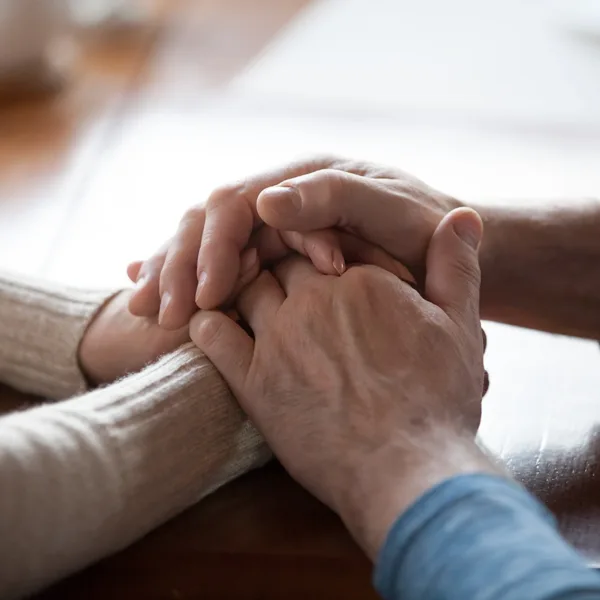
(313, 207)
(116, 343)
(367, 392)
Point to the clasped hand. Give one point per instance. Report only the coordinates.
(368, 391)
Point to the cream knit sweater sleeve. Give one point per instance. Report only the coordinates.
(41, 326)
(83, 478)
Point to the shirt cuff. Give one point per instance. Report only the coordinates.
(480, 536)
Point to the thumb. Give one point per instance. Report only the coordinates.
(453, 275)
(360, 205)
(225, 344)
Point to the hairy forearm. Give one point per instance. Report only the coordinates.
(391, 479)
(541, 267)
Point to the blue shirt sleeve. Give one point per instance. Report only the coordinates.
(480, 537)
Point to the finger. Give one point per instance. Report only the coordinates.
(453, 275)
(295, 273)
(229, 224)
(259, 302)
(330, 251)
(178, 278)
(133, 270)
(231, 217)
(145, 299)
(225, 344)
(249, 271)
(356, 250)
(322, 247)
(332, 198)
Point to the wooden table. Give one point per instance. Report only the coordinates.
(119, 140)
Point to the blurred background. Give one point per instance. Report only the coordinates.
(141, 108)
(161, 100)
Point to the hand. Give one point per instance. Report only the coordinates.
(116, 343)
(368, 393)
(386, 207)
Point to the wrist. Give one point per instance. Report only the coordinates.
(390, 480)
(116, 343)
(508, 240)
(91, 353)
(495, 231)
(538, 267)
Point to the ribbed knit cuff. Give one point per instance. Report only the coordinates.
(177, 432)
(84, 478)
(41, 327)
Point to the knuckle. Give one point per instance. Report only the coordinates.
(193, 214)
(222, 193)
(227, 193)
(255, 288)
(334, 182)
(327, 184)
(192, 221)
(179, 257)
(154, 264)
(358, 275)
(366, 280)
(153, 268)
(468, 270)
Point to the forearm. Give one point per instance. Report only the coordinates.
(540, 267)
(444, 522)
(390, 480)
(84, 478)
(41, 326)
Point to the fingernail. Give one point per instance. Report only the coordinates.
(164, 307)
(141, 282)
(248, 260)
(339, 264)
(202, 277)
(469, 231)
(293, 195)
